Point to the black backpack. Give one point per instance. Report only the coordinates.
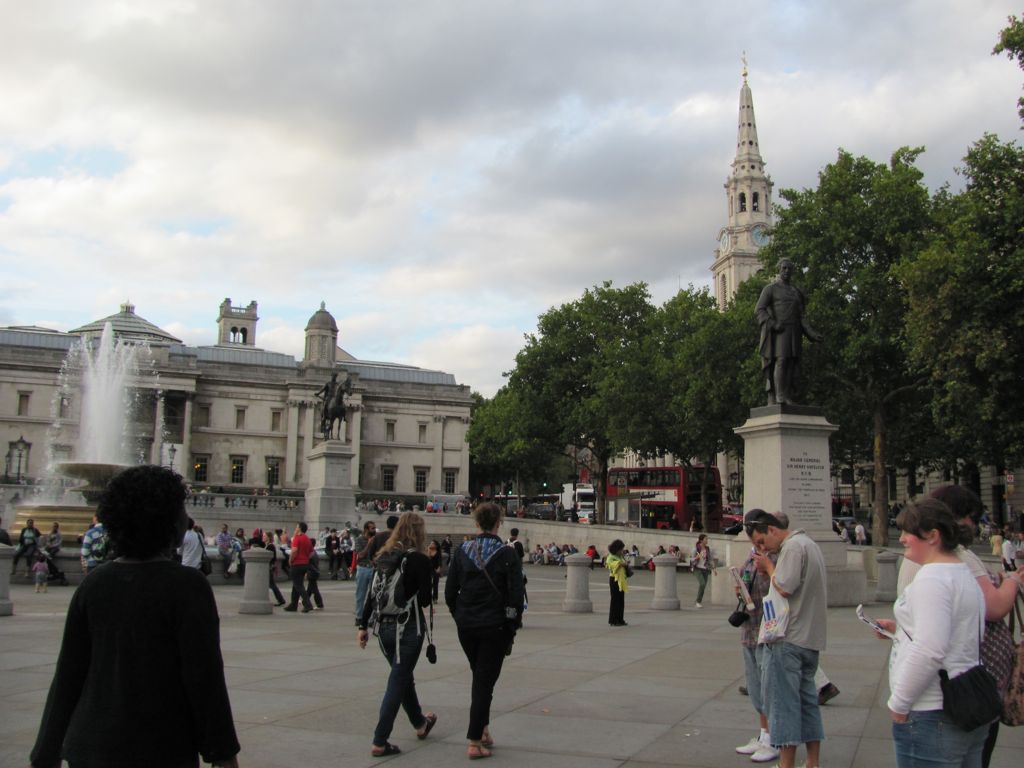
(388, 589)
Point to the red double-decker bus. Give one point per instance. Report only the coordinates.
(665, 497)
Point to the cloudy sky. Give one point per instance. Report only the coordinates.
(438, 172)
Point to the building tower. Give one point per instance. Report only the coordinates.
(321, 339)
(237, 325)
(748, 193)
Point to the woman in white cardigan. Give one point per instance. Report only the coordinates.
(940, 620)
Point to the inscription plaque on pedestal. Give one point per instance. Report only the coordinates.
(806, 494)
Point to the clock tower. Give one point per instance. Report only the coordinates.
(748, 192)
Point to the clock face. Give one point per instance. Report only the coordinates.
(724, 241)
(759, 236)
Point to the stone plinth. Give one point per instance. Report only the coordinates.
(888, 576)
(665, 594)
(256, 598)
(786, 468)
(577, 585)
(6, 556)
(330, 500)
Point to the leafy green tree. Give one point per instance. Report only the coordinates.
(1011, 42)
(582, 372)
(966, 319)
(850, 235)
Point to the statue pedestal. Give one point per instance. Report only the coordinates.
(786, 468)
(330, 500)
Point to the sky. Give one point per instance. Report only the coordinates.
(439, 173)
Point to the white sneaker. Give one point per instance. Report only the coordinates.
(764, 753)
(750, 747)
(697, 605)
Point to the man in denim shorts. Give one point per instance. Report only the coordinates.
(789, 663)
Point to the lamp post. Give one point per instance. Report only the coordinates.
(172, 451)
(20, 448)
(7, 467)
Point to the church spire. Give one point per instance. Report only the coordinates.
(748, 153)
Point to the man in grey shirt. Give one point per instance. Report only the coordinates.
(192, 546)
(789, 663)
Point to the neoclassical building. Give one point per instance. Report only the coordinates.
(238, 417)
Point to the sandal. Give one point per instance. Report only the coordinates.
(387, 749)
(428, 725)
(477, 751)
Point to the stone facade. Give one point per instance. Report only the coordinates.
(237, 417)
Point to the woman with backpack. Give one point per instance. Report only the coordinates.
(394, 610)
(485, 594)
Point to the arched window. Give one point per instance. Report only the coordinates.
(243, 335)
(743, 201)
(234, 335)
(755, 203)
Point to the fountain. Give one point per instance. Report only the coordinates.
(101, 377)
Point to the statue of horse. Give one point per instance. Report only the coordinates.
(335, 411)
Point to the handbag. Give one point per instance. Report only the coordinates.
(775, 617)
(629, 570)
(997, 647)
(431, 649)
(970, 699)
(1013, 699)
(739, 617)
(204, 560)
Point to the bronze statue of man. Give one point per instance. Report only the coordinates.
(327, 391)
(780, 313)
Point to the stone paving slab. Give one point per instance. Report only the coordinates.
(660, 692)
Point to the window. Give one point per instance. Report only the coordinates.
(421, 481)
(239, 418)
(387, 478)
(362, 469)
(275, 421)
(449, 480)
(423, 433)
(202, 418)
(389, 431)
(64, 407)
(273, 471)
(755, 202)
(743, 201)
(238, 469)
(200, 468)
(23, 398)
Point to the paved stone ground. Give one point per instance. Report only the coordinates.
(660, 692)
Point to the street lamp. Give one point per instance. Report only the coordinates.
(20, 448)
(173, 452)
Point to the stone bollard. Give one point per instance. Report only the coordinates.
(256, 598)
(665, 596)
(577, 585)
(6, 556)
(888, 573)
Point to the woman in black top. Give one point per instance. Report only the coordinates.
(434, 553)
(484, 592)
(140, 678)
(400, 634)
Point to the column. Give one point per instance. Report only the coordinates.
(6, 556)
(356, 409)
(186, 436)
(665, 595)
(437, 459)
(309, 429)
(156, 450)
(462, 486)
(256, 597)
(291, 457)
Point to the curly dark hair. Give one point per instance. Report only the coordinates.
(143, 510)
(616, 547)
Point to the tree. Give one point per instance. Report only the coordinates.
(851, 234)
(966, 318)
(1011, 42)
(582, 372)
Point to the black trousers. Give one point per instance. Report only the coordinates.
(273, 586)
(485, 648)
(298, 574)
(617, 607)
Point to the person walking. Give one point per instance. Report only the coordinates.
(394, 610)
(484, 592)
(298, 562)
(702, 563)
(618, 572)
(268, 544)
(313, 581)
(940, 619)
(364, 565)
(140, 677)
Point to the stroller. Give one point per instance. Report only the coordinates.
(54, 574)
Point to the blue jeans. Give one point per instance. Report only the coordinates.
(787, 686)
(752, 667)
(401, 690)
(364, 575)
(929, 739)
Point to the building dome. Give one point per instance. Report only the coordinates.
(322, 320)
(126, 324)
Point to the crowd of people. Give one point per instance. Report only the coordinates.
(116, 642)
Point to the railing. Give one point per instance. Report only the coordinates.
(237, 501)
